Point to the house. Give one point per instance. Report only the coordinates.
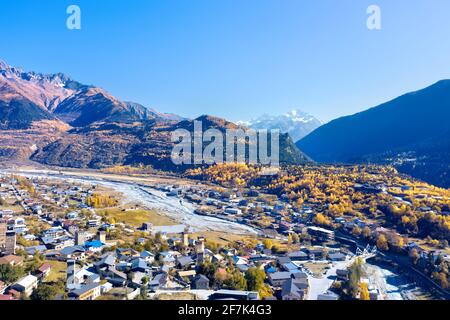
(184, 262)
(147, 256)
(116, 277)
(229, 252)
(260, 258)
(105, 287)
(200, 282)
(270, 269)
(294, 289)
(72, 215)
(139, 265)
(12, 260)
(159, 281)
(321, 233)
(137, 279)
(26, 285)
(299, 275)
(243, 267)
(44, 270)
(29, 237)
(54, 232)
(317, 253)
(35, 249)
(86, 292)
(61, 243)
(216, 258)
(94, 222)
(240, 260)
(290, 267)
(73, 253)
(277, 279)
(106, 261)
(342, 274)
(188, 274)
(298, 256)
(337, 256)
(233, 211)
(94, 246)
(283, 260)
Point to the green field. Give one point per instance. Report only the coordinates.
(137, 217)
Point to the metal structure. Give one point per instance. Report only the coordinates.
(367, 252)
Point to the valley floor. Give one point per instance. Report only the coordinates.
(139, 190)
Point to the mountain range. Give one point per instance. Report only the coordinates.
(28, 96)
(411, 132)
(56, 120)
(296, 123)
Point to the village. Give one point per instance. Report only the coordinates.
(66, 240)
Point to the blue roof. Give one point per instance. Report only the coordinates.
(94, 244)
(71, 250)
(48, 240)
(145, 254)
(139, 264)
(33, 250)
(271, 270)
(290, 266)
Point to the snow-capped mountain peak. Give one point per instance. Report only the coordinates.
(296, 122)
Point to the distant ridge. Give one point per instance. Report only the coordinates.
(410, 132)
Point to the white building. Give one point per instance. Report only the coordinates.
(26, 285)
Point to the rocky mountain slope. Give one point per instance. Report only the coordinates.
(55, 120)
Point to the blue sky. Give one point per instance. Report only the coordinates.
(236, 58)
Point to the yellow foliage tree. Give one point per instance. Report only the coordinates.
(364, 292)
(382, 243)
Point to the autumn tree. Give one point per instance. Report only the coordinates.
(322, 220)
(255, 282)
(364, 292)
(10, 274)
(352, 285)
(356, 231)
(414, 256)
(268, 244)
(366, 232)
(236, 281)
(441, 278)
(382, 243)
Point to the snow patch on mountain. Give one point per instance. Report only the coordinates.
(296, 122)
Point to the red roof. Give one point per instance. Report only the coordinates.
(45, 267)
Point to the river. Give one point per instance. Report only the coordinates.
(150, 198)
